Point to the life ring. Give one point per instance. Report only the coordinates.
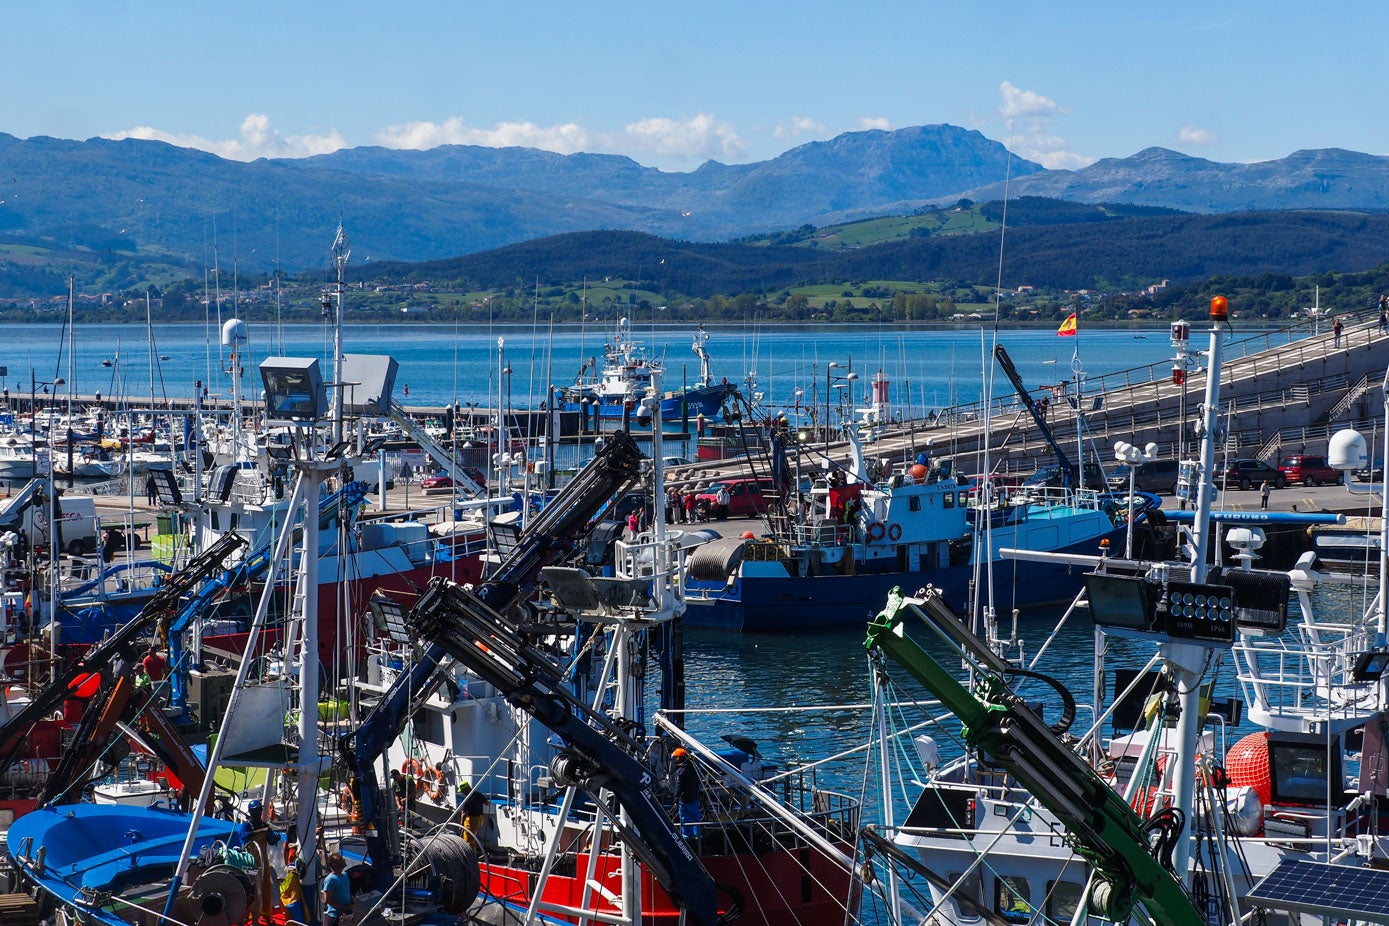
(348, 803)
(894, 531)
(411, 768)
(876, 530)
(434, 782)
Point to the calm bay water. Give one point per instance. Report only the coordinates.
(929, 368)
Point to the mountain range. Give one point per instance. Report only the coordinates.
(145, 199)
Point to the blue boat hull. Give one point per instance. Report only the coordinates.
(700, 400)
(787, 604)
(95, 850)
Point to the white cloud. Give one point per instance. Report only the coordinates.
(1029, 115)
(698, 138)
(874, 122)
(1191, 135)
(1025, 103)
(258, 140)
(797, 127)
(562, 139)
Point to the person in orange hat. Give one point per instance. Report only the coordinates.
(688, 792)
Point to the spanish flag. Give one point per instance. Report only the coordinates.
(1068, 327)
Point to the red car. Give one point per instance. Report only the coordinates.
(442, 483)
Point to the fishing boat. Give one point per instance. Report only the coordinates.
(855, 540)
(109, 863)
(1169, 817)
(613, 392)
(768, 852)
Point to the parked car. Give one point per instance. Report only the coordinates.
(1249, 474)
(1049, 477)
(443, 483)
(1309, 470)
(1154, 476)
(1369, 473)
(747, 497)
(668, 462)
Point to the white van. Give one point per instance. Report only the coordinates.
(80, 529)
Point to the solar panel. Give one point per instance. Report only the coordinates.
(1325, 890)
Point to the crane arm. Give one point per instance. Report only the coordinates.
(1010, 371)
(546, 537)
(1107, 832)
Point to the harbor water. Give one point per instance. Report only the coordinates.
(929, 368)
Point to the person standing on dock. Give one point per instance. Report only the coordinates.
(1263, 488)
(1336, 330)
(1383, 313)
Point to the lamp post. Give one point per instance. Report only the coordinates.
(847, 379)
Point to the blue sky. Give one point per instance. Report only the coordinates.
(672, 85)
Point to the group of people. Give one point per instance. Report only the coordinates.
(687, 507)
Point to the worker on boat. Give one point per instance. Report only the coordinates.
(688, 791)
(337, 891)
(256, 836)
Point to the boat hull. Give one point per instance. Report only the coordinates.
(785, 604)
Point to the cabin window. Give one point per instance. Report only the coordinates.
(216, 520)
(949, 498)
(1012, 898)
(969, 887)
(1063, 899)
(914, 503)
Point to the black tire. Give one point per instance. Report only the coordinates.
(1309, 482)
(1245, 484)
(1280, 483)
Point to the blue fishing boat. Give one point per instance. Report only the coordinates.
(613, 393)
(922, 526)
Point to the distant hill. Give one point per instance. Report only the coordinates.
(155, 198)
(1093, 252)
(115, 212)
(1330, 178)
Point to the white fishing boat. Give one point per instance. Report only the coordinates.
(1167, 814)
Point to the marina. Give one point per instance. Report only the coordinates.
(476, 661)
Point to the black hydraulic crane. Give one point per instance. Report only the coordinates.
(549, 535)
(166, 603)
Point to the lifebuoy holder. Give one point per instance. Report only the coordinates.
(894, 531)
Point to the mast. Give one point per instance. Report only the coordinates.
(1186, 660)
(341, 251)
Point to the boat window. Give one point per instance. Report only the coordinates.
(949, 499)
(964, 496)
(1063, 899)
(968, 887)
(1012, 899)
(914, 503)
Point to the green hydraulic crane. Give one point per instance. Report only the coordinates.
(1107, 832)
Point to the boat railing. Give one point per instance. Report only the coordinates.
(1310, 676)
(819, 534)
(662, 563)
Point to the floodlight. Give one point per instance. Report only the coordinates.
(294, 390)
